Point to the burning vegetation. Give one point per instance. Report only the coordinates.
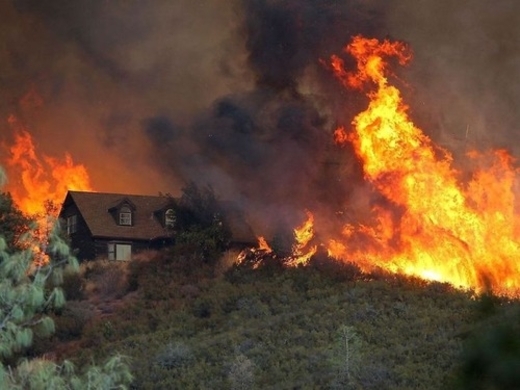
(432, 224)
(375, 179)
(378, 192)
(37, 180)
(435, 225)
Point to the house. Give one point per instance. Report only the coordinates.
(115, 226)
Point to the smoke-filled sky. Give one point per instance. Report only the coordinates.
(151, 94)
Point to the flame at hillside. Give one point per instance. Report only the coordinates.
(34, 179)
(435, 227)
(302, 250)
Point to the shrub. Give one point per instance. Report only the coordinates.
(174, 355)
(227, 260)
(72, 321)
(241, 373)
(73, 285)
(108, 279)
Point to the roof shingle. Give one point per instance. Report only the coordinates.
(94, 208)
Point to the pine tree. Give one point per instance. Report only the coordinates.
(30, 276)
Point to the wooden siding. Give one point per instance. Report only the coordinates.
(81, 241)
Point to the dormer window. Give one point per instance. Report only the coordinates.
(125, 216)
(169, 219)
(123, 212)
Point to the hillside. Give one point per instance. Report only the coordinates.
(187, 324)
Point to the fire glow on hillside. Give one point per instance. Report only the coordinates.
(434, 226)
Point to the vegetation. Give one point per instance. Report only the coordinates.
(31, 270)
(200, 222)
(491, 356)
(13, 223)
(326, 325)
(190, 319)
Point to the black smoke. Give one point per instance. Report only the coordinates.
(237, 94)
(270, 148)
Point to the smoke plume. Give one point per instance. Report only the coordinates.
(236, 94)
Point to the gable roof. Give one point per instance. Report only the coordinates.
(94, 208)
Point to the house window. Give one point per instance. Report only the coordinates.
(169, 219)
(72, 224)
(125, 216)
(119, 251)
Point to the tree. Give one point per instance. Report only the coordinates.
(13, 223)
(30, 276)
(346, 357)
(201, 221)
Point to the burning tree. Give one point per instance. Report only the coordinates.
(42, 178)
(433, 225)
(13, 223)
(29, 292)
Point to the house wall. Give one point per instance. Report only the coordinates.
(101, 246)
(81, 241)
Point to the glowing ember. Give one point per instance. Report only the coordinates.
(254, 257)
(301, 250)
(263, 245)
(440, 229)
(36, 180)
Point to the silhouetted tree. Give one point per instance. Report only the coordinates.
(13, 223)
(201, 221)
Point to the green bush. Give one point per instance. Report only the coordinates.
(175, 355)
(278, 327)
(72, 320)
(73, 285)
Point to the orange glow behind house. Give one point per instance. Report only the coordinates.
(438, 228)
(36, 179)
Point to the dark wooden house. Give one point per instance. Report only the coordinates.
(115, 226)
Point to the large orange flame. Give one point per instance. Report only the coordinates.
(35, 180)
(38, 185)
(464, 234)
(302, 251)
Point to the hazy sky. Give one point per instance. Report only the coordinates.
(150, 94)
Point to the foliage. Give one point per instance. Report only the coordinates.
(491, 355)
(283, 328)
(28, 291)
(30, 276)
(73, 285)
(39, 374)
(201, 223)
(199, 206)
(347, 357)
(241, 373)
(13, 223)
(106, 279)
(189, 324)
(174, 355)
